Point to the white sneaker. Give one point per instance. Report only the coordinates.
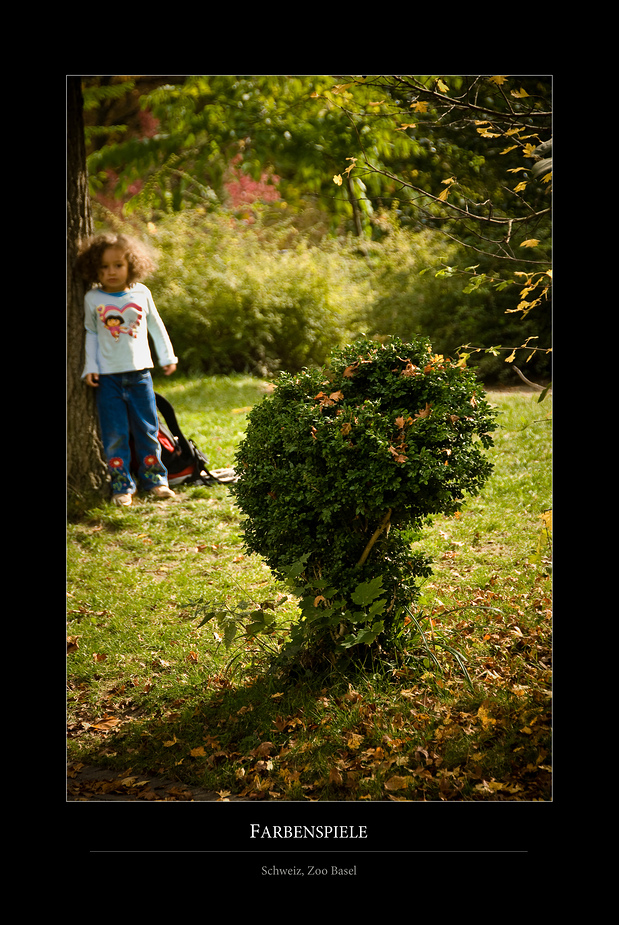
(162, 491)
(124, 500)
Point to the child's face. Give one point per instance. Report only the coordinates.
(114, 270)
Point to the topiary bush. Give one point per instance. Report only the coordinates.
(338, 470)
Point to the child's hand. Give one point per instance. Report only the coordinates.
(168, 370)
(92, 379)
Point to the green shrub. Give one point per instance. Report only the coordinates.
(340, 467)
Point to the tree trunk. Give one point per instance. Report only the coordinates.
(86, 470)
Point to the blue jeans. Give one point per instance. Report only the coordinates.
(127, 406)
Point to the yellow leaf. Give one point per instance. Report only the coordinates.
(490, 785)
(419, 107)
(337, 179)
(498, 80)
(442, 86)
(198, 752)
(531, 242)
(107, 724)
(354, 740)
(484, 715)
(397, 783)
(519, 94)
(520, 187)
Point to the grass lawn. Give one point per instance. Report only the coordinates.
(151, 692)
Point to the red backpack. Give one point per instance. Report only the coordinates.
(181, 457)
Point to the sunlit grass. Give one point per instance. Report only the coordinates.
(148, 688)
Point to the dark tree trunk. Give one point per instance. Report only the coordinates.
(86, 471)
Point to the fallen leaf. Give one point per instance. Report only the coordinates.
(397, 783)
(399, 458)
(107, 723)
(425, 412)
(354, 740)
(262, 750)
(409, 369)
(335, 776)
(484, 715)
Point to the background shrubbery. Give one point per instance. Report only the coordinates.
(253, 298)
(263, 296)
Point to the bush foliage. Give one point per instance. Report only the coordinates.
(244, 298)
(268, 293)
(338, 471)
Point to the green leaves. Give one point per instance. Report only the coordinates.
(368, 591)
(245, 618)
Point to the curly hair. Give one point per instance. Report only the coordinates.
(90, 254)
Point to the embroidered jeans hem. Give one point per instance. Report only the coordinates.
(127, 408)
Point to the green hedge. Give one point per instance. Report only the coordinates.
(245, 298)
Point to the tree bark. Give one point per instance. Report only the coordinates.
(86, 470)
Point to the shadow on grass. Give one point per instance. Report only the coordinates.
(255, 740)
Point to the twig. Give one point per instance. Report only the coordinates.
(383, 524)
(534, 385)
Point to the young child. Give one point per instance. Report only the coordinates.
(119, 315)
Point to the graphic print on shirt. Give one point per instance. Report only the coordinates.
(125, 320)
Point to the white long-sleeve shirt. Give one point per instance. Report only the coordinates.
(117, 328)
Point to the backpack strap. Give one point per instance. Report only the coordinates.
(203, 472)
(168, 414)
